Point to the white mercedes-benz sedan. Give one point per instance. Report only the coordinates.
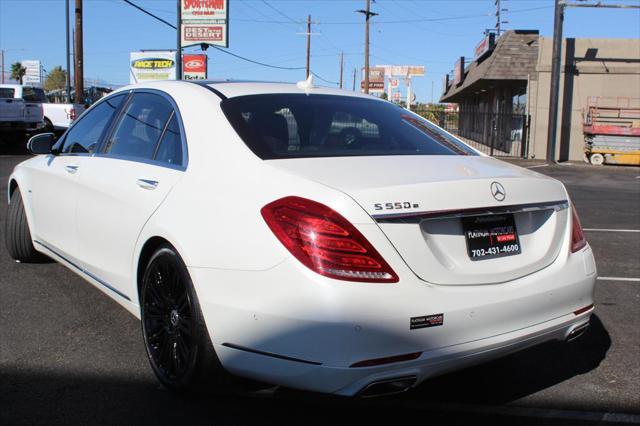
(313, 238)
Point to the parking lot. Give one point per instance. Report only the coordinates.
(70, 355)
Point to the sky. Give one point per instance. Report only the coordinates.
(414, 32)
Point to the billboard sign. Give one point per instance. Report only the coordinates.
(403, 70)
(194, 67)
(376, 80)
(33, 74)
(204, 21)
(152, 65)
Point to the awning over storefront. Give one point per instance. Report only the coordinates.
(512, 60)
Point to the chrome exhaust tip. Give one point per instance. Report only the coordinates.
(577, 332)
(388, 387)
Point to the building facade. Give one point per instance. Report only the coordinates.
(503, 93)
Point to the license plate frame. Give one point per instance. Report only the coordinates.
(491, 236)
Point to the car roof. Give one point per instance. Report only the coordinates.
(234, 88)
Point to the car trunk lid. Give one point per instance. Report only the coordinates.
(421, 202)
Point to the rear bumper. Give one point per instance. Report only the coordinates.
(290, 326)
(351, 381)
(21, 125)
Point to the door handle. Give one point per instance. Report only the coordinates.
(71, 169)
(147, 183)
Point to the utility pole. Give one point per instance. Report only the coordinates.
(66, 19)
(2, 64)
(555, 81)
(368, 14)
(179, 42)
(355, 70)
(78, 58)
(341, 67)
(308, 44)
(431, 92)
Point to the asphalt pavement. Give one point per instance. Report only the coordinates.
(70, 355)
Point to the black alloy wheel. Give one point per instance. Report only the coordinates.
(175, 336)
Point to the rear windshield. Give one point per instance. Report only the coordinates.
(300, 126)
(6, 92)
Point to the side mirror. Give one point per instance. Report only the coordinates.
(41, 144)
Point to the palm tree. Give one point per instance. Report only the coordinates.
(18, 71)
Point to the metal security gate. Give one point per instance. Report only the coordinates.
(496, 134)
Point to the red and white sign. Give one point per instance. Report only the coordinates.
(393, 82)
(194, 67)
(204, 9)
(203, 34)
(204, 21)
(376, 80)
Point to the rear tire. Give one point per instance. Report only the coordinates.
(173, 328)
(17, 233)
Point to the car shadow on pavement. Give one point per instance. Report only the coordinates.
(523, 373)
(13, 144)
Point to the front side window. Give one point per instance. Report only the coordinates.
(140, 127)
(84, 136)
(279, 126)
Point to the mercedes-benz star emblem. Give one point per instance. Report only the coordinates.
(498, 192)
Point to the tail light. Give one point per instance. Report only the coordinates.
(325, 242)
(72, 114)
(578, 240)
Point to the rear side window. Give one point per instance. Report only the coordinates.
(300, 126)
(170, 148)
(6, 92)
(140, 127)
(84, 136)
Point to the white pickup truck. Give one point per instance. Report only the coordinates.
(56, 116)
(19, 114)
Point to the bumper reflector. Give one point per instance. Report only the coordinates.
(583, 310)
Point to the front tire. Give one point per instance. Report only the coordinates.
(17, 234)
(597, 159)
(175, 335)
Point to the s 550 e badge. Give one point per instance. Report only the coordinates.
(399, 205)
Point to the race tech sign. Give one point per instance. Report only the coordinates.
(204, 21)
(194, 67)
(153, 65)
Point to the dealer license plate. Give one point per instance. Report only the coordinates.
(491, 236)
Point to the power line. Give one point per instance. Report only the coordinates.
(149, 13)
(395, 21)
(256, 62)
(228, 52)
